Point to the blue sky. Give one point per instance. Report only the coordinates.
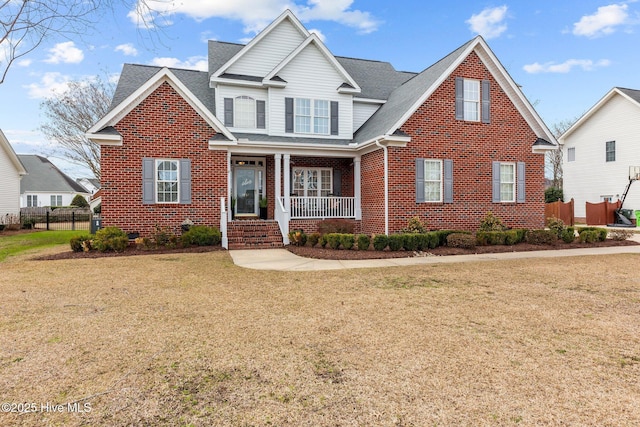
(566, 55)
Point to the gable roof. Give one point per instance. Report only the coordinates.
(11, 155)
(407, 98)
(631, 95)
(139, 81)
(45, 176)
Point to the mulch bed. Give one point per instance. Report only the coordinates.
(321, 253)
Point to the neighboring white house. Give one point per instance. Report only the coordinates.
(46, 185)
(598, 150)
(91, 184)
(11, 171)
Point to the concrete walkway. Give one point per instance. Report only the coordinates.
(283, 260)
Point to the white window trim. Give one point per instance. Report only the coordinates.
(571, 154)
(156, 180)
(606, 151)
(466, 100)
(236, 111)
(514, 184)
(58, 197)
(312, 116)
(441, 180)
(305, 188)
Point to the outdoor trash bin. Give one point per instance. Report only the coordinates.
(637, 218)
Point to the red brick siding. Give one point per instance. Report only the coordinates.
(161, 126)
(472, 146)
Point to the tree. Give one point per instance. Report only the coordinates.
(553, 163)
(79, 201)
(71, 113)
(25, 24)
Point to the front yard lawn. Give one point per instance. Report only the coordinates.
(12, 243)
(191, 339)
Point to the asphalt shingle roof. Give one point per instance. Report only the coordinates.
(631, 93)
(45, 176)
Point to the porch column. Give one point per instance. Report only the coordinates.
(229, 180)
(278, 177)
(287, 185)
(357, 188)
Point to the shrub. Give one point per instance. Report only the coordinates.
(380, 242)
(600, 232)
(79, 201)
(328, 226)
(201, 235)
(512, 237)
(414, 225)
(442, 235)
(144, 243)
(333, 239)
(429, 240)
(395, 242)
(568, 235)
(81, 243)
(297, 237)
(553, 194)
(461, 240)
(556, 225)
(542, 237)
(363, 242)
(323, 240)
(28, 223)
(588, 236)
(163, 237)
(347, 240)
(491, 223)
(410, 241)
(313, 238)
(620, 234)
(490, 238)
(110, 239)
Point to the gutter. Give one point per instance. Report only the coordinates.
(386, 185)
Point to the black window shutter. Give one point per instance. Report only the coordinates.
(459, 98)
(185, 181)
(337, 182)
(486, 102)
(261, 114)
(495, 182)
(419, 180)
(521, 188)
(334, 118)
(228, 111)
(448, 181)
(288, 115)
(148, 172)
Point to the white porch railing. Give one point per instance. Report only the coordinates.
(281, 215)
(223, 223)
(322, 207)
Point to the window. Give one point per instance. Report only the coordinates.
(311, 117)
(312, 182)
(432, 180)
(507, 182)
(611, 151)
(167, 181)
(32, 201)
(245, 112)
(56, 200)
(571, 154)
(471, 100)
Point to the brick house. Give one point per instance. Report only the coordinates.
(283, 121)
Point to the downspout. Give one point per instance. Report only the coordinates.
(386, 186)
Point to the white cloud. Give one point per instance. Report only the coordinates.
(565, 67)
(319, 34)
(602, 22)
(65, 52)
(193, 63)
(49, 84)
(257, 14)
(489, 23)
(127, 49)
(24, 63)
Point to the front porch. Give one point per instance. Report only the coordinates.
(285, 188)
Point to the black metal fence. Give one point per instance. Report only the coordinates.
(56, 219)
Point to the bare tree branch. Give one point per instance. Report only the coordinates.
(553, 163)
(71, 113)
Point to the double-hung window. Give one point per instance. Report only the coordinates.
(167, 181)
(471, 100)
(312, 116)
(303, 115)
(321, 117)
(312, 182)
(245, 112)
(508, 182)
(32, 201)
(610, 151)
(56, 200)
(432, 180)
(571, 154)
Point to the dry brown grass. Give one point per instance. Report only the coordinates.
(191, 339)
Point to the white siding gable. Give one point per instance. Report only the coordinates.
(590, 176)
(362, 111)
(225, 91)
(9, 186)
(265, 55)
(311, 75)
